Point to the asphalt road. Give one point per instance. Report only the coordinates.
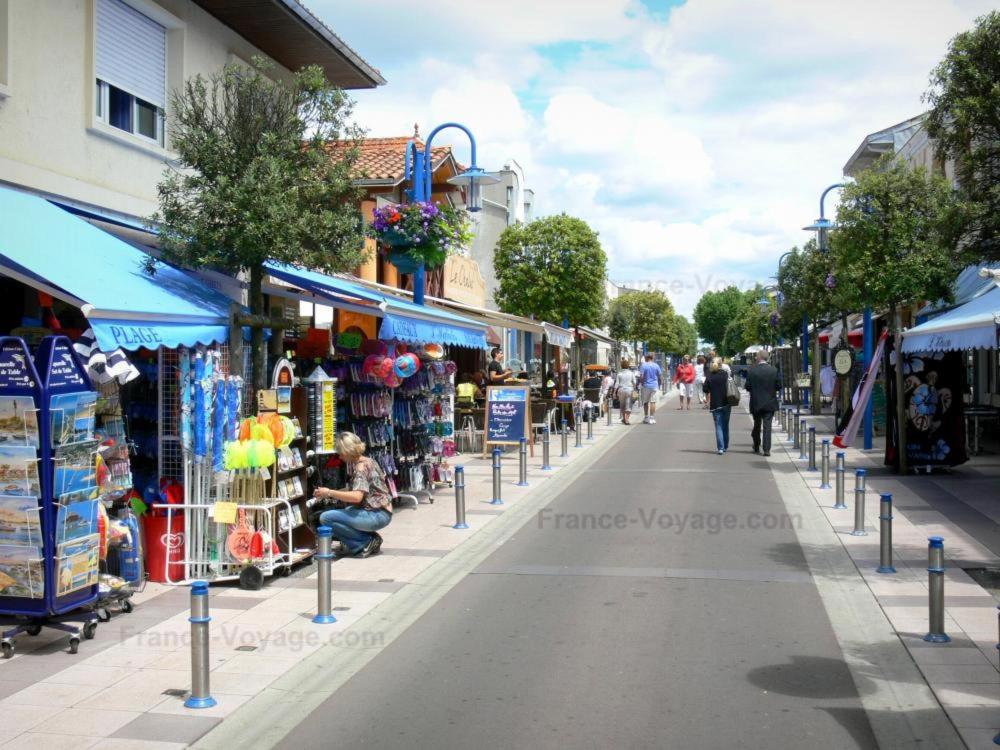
(662, 601)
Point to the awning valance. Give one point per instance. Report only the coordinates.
(970, 326)
(590, 333)
(46, 247)
(419, 324)
(558, 336)
(332, 288)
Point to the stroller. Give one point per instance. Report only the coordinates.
(123, 573)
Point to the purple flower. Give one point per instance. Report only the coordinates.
(831, 282)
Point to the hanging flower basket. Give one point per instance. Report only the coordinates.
(420, 233)
(404, 259)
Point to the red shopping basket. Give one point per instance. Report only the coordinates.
(164, 553)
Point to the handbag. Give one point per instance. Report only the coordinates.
(732, 392)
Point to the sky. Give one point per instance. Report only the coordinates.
(695, 137)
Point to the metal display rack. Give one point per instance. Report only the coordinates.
(61, 373)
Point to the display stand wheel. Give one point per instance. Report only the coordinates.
(127, 606)
(90, 630)
(103, 614)
(284, 571)
(33, 629)
(74, 645)
(8, 649)
(251, 578)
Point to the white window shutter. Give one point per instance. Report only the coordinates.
(131, 51)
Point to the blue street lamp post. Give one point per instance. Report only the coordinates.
(418, 167)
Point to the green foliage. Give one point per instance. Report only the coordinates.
(552, 268)
(645, 315)
(964, 121)
(258, 176)
(683, 337)
(895, 238)
(715, 311)
(810, 286)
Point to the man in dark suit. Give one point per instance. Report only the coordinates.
(762, 382)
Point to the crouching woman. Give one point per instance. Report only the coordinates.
(366, 506)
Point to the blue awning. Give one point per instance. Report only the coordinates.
(44, 246)
(419, 324)
(970, 326)
(332, 288)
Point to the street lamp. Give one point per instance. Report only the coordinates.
(823, 225)
(418, 167)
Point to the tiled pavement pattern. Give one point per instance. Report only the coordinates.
(963, 508)
(125, 688)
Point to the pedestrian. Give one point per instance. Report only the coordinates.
(712, 356)
(607, 383)
(650, 382)
(625, 388)
(762, 382)
(718, 403)
(497, 372)
(364, 508)
(699, 380)
(684, 379)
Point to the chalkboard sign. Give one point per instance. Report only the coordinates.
(508, 415)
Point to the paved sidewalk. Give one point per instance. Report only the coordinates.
(962, 508)
(125, 689)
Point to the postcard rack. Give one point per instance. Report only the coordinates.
(47, 579)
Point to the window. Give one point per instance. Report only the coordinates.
(131, 65)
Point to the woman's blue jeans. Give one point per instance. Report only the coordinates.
(355, 526)
(721, 418)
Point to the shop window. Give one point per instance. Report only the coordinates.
(131, 66)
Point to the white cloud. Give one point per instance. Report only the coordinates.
(697, 143)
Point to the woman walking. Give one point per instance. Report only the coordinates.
(715, 387)
(684, 377)
(625, 388)
(699, 380)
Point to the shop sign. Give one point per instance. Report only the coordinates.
(464, 282)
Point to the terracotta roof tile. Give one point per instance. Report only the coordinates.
(384, 158)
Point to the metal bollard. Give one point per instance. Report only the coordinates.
(578, 429)
(460, 498)
(885, 535)
(545, 449)
(497, 500)
(839, 504)
(201, 695)
(565, 439)
(859, 503)
(792, 430)
(608, 409)
(590, 424)
(935, 586)
(824, 477)
(324, 576)
(784, 419)
(522, 468)
(812, 449)
(801, 443)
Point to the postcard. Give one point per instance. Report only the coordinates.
(21, 572)
(76, 521)
(73, 417)
(74, 467)
(77, 564)
(20, 521)
(18, 421)
(80, 496)
(297, 483)
(19, 471)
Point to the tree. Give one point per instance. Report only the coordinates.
(552, 268)
(895, 238)
(265, 175)
(642, 316)
(715, 311)
(895, 244)
(683, 338)
(964, 121)
(809, 287)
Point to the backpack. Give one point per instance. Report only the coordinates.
(732, 392)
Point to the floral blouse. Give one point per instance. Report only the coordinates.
(369, 478)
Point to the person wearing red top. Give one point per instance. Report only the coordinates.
(684, 379)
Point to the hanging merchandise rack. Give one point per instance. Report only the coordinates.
(49, 561)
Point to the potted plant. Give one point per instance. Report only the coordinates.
(420, 233)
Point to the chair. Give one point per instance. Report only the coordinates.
(541, 417)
